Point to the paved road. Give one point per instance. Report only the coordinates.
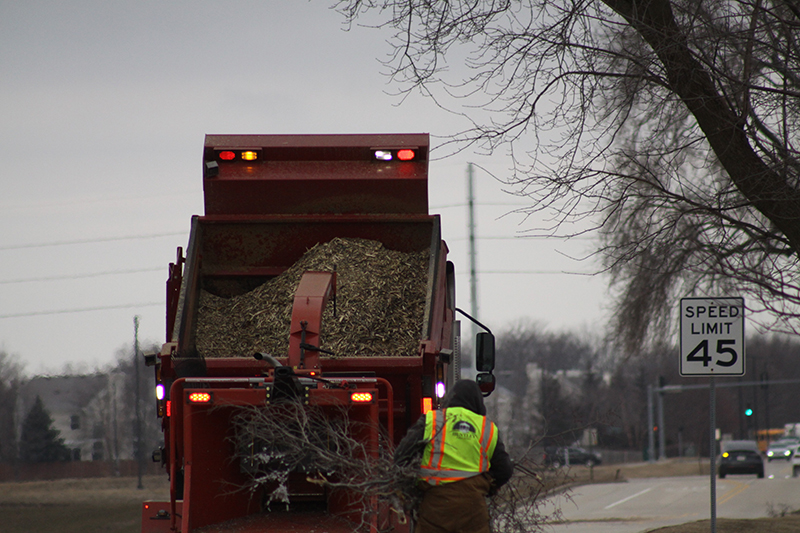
(645, 504)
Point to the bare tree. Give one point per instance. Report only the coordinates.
(671, 125)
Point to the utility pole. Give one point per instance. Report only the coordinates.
(473, 276)
(115, 424)
(651, 438)
(138, 444)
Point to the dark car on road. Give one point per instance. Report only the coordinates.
(741, 457)
(572, 455)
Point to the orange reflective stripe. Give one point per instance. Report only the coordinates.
(433, 440)
(484, 447)
(442, 440)
(437, 440)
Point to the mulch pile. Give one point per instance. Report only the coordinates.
(380, 304)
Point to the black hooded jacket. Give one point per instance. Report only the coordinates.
(467, 394)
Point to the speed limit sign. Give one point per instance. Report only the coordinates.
(712, 337)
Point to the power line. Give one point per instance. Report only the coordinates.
(451, 206)
(90, 241)
(82, 310)
(564, 272)
(81, 276)
(521, 238)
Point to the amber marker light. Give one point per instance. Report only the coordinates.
(361, 397)
(427, 405)
(199, 397)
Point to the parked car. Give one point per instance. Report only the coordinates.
(782, 448)
(571, 455)
(795, 461)
(741, 457)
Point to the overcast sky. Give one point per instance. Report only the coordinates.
(104, 107)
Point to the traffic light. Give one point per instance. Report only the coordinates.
(748, 412)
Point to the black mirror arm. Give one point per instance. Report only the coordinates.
(474, 320)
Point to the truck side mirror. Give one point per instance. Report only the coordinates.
(484, 352)
(486, 382)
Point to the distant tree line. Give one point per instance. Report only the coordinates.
(564, 384)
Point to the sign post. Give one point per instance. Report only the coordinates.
(712, 344)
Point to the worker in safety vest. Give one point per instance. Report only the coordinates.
(462, 460)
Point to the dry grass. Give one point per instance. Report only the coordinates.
(623, 472)
(110, 505)
(91, 490)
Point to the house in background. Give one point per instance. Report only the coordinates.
(86, 410)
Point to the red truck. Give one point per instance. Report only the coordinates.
(269, 199)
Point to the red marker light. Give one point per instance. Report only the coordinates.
(405, 155)
(227, 155)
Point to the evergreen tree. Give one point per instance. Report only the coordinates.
(40, 441)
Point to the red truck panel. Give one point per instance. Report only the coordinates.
(316, 174)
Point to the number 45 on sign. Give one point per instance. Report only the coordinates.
(712, 337)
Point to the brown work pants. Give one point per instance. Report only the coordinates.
(458, 507)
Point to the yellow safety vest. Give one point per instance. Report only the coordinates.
(460, 445)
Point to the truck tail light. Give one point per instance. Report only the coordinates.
(240, 154)
(199, 397)
(405, 154)
(169, 408)
(361, 397)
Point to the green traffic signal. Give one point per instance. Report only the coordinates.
(748, 412)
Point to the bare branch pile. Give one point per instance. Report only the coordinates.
(380, 304)
(291, 439)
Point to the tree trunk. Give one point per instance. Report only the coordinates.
(764, 188)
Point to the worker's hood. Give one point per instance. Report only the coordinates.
(466, 393)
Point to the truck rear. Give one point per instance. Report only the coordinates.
(315, 287)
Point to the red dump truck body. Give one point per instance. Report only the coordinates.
(269, 199)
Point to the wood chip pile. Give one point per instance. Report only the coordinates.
(380, 304)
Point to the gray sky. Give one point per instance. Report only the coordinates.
(105, 105)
